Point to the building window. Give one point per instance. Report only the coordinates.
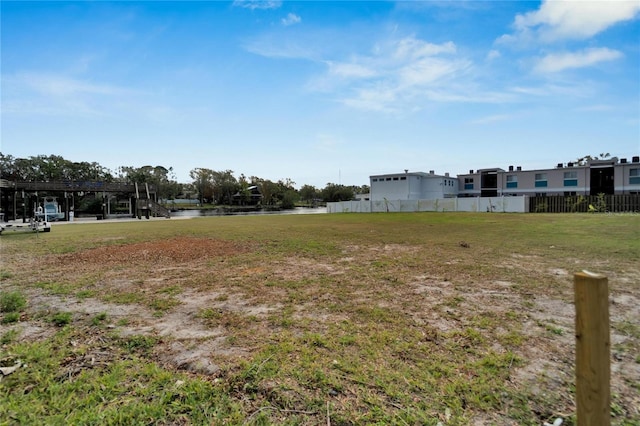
(468, 183)
(395, 178)
(571, 178)
(512, 181)
(541, 180)
(403, 178)
(634, 177)
(388, 179)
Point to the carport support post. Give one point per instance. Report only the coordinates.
(593, 347)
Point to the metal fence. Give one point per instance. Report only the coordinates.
(585, 203)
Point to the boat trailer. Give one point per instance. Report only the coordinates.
(33, 225)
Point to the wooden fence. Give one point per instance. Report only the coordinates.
(585, 203)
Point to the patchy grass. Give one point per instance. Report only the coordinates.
(316, 319)
(12, 301)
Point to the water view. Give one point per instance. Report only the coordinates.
(221, 212)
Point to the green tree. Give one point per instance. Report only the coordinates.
(308, 193)
(224, 186)
(159, 177)
(203, 182)
(268, 189)
(335, 192)
(51, 168)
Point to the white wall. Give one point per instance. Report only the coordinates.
(476, 204)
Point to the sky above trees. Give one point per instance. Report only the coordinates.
(320, 92)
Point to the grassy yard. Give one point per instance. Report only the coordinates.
(416, 318)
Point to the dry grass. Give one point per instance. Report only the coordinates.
(351, 319)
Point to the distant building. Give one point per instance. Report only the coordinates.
(609, 176)
(250, 196)
(412, 186)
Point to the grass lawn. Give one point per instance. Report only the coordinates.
(405, 318)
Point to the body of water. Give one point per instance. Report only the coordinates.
(216, 212)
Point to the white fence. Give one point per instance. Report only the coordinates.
(476, 204)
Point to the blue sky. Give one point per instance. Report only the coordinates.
(321, 92)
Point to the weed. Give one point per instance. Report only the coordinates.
(62, 318)
(85, 294)
(99, 319)
(209, 314)
(8, 336)
(12, 301)
(5, 275)
(553, 329)
(124, 297)
(628, 328)
(56, 288)
(10, 317)
(138, 343)
(163, 304)
(171, 290)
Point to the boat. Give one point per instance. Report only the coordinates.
(49, 210)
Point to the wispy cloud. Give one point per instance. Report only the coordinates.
(557, 62)
(291, 19)
(560, 20)
(350, 70)
(57, 85)
(52, 94)
(257, 4)
(274, 46)
(595, 108)
(327, 142)
(400, 75)
(492, 119)
(493, 54)
(567, 89)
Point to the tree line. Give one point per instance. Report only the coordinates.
(220, 187)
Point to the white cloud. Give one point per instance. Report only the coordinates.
(411, 49)
(493, 54)
(377, 98)
(559, 20)
(52, 94)
(350, 70)
(399, 75)
(428, 71)
(273, 47)
(257, 4)
(55, 85)
(492, 119)
(595, 108)
(291, 19)
(556, 62)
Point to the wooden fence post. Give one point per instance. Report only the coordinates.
(593, 347)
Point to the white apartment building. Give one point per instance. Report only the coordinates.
(609, 176)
